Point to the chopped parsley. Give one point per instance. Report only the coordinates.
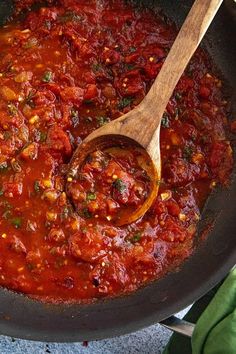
(177, 112)
(16, 222)
(37, 187)
(119, 185)
(96, 67)
(32, 42)
(66, 212)
(3, 166)
(187, 152)
(86, 213)
(102, 120)
(132, 49)
(88, 101)
(7, 135)
(29, 99)
(47, 76)
(136, 237)
(91, 196)
(12, 109)
(178, 96)
(43, 136)
(124, 102)
(165, 122)
(129, 66)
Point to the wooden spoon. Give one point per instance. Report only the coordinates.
(141, 126)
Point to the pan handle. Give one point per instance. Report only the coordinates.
(177, 325)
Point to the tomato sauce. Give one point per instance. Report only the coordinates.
(65, 70)
(111, 183)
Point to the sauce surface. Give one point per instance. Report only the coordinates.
(65, 70)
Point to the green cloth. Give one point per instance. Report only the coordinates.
(215, 331)
(215, 318)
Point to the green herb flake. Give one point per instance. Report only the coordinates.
(177, 112)
(132, 49)
(129, 67)
(119, 185)
(32, 42)
(178, 96)
(102, 121)
(1, 192)
(66, 212)
(187, 152)
(86, 213)
(29, 98)
(91, 196)
(30, 266)
(96, 67)
(3, 166)
(7, 135)
(47, 76)
(88, 101)
(124, 102)
(12, 109)
(37, 187)
(165, 122)
(43, 136)
(16, 222)
(136, 237)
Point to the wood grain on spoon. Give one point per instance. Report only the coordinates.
(142, 124)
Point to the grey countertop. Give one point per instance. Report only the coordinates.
(146, 341)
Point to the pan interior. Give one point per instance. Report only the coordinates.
(210, 263)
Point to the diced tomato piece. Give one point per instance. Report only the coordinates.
(12, 189)
(30, 152)
(88, 246)
(130, 84)
(56, 235)
(189, 131)
(204, 92)
(173, 207)
(185, 84)
(91, 92)
(111, 271)
(172, 231)
(221, 160)
(110, 56)
(58, 141)
(45, 96)
(72, 94)
(17, 245)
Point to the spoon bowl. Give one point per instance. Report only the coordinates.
(106, 142)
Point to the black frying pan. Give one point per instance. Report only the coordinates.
(24, 318)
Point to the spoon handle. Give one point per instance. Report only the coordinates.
(187, 41)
